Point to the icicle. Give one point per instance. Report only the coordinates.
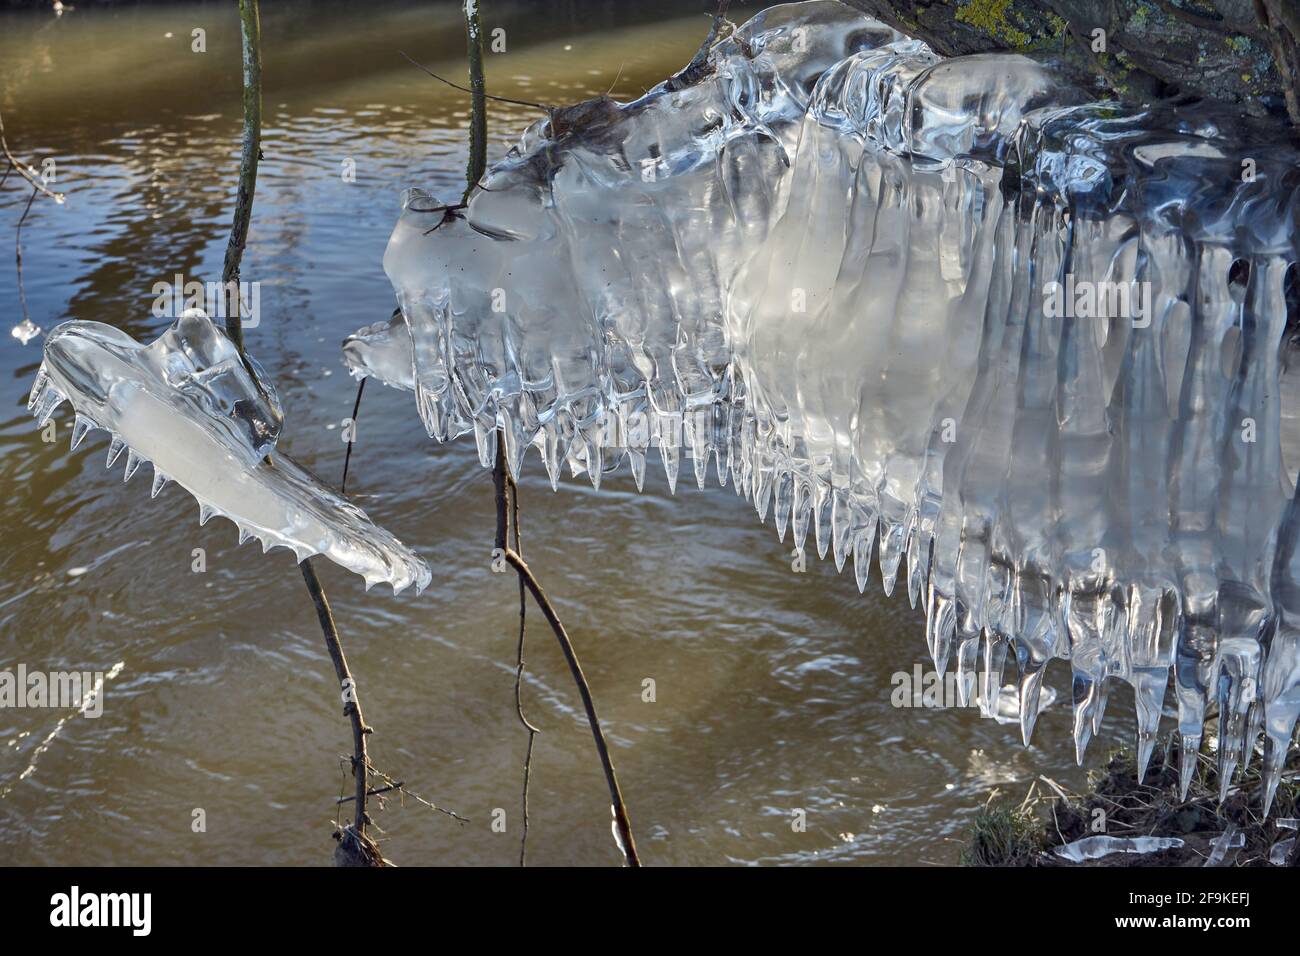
(823, 526)
(701, 464)
(80, 427)
(940, 626)
(636, 462)
(1030, 687)
(762, 493)
(891, 553)
(114, 449)
(995, 656)
(968, 648)
(485, 439)
(159, 482)
(670, 455)
(783, 504)
(800, 510)
(551, 455)
(133, 462)
(863, 540)
(841, 524)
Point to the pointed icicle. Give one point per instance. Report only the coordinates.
(1188, 747)
(636, 461)
(551, 454)
(38, 387)
(940, 625)
(1148, 694)
(783, 491)
(1084, 691)
(890, 554)
(995, 659)
(801, 511)
(701, 463)
(1100, 696)
(762, 493)
(863, 541)
(968, 649)
(515, 444)
(1031, 684)
(159, 482)
(50, 399)
(1250, 732)
(821, 509)
(671, 456)
(841, 522)
(595, 463)
(132, 465)
(205, 512)
(79, 429)
(918, 561)
(485, 439)
(114, 449)
(244, 534)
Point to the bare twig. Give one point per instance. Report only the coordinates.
(251, 31)
(18, 256)
(24, 171)
(699, 64)
(38, 188)
(507, 510)
(375, 791)
(401, 788)
(456, 86)
(621, 819)
(347, 457)
(477, 161)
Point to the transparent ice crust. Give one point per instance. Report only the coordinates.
(187, 404)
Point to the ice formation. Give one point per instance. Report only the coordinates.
(1031, 348)
(188, 404)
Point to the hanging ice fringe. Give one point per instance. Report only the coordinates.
(950, 309)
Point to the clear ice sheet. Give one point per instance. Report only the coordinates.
(187, 404)
(823, 264)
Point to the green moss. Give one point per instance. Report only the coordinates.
(1141, 16)
(990, 17)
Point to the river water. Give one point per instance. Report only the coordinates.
(772, 689)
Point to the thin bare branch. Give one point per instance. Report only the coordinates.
(456, 86)
(24, 171)
(621, 819)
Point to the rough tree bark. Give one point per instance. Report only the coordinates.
(1239, 52)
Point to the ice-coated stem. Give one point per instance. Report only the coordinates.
(251, 32)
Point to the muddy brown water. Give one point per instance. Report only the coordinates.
(772, 688)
